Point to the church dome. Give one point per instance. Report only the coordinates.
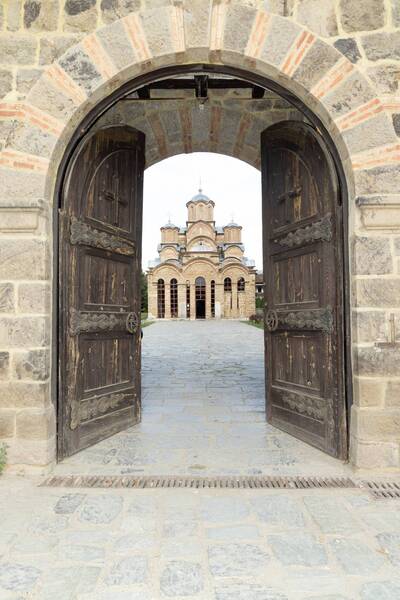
(232, 224)
(200, 197)
(169, 225)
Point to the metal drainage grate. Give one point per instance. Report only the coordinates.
(118, 481)
(382, 490)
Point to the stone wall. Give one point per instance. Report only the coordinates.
(58, 59)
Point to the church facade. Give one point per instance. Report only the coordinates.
(201, 272)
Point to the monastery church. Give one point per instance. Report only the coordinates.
(201, 272)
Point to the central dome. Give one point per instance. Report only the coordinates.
(200, 197)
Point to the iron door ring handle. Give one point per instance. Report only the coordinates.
(132, 322)
(271, 320)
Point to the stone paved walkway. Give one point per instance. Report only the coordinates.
(88, 544)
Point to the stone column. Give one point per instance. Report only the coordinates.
(192, 301)
(208, 299)
(235, 311)
(219, 300)
(182, 300)
(167, 300)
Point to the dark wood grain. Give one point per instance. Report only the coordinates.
(302, 239)
(100, 284)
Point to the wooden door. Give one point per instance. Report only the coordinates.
(302, 238)
(100, 266)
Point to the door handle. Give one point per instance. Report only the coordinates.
(271, 319)
(132, 322)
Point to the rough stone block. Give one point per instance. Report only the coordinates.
(331, 515)
(300, 549)
(382, 45)
(380, 589)
(23, 259)
(6, 82)
(396, 13)
(390, 543)
(21, 184)
(377, 425)
(14, 15)
(18, 394)
(26, 79)
(362, 16)
(281, 36)
(23, 332)
(80, 15)
(281, 7)
(7, 423)
(319, 59)
(17, 49)
(34, 424)
(238, 25)
(155, 24)
(374, 455)
(27, 138)
(368, 392)
(392, 396)
(386, 78)
(377, 292)
(4, 365)
(34, 298)
(34, 364)
(396, 123)
(372, 133)
(235, 560)
(51, 100)
(80, 68)
(375, 361)
(51, 48)
(372, 256)
(379, 180)
(101, 509)
(17, 577)
(7, 302)
(318, 16)
(196, 23)
(369, 326)
(31, 453)
(354, 91)
(111, 10)
(41, 15)
(348, 47)
(117, 45)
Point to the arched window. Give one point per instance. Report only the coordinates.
(187, 300)
(241, 284)
(160, 299)
(200, 289)
(174, 298)
(212, 296)
(227, 284)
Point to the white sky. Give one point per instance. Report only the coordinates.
(234, 186)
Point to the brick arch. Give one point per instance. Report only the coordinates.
(263, 43)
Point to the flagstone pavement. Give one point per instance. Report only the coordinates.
(203, 414)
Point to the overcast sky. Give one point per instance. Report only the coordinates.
(234, 186)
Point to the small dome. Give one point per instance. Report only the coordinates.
(200, 197)
(170, 225)
(232, 224)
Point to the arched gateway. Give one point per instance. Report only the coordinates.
(322, 174)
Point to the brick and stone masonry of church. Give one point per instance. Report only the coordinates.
(201, 272)
(61, 58)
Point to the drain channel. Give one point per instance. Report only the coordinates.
(226, 482)
(382, 490)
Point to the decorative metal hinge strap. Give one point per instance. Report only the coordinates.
(94, 407)
(319, 318)
(80, 322)
(81, 233)
(316, 232)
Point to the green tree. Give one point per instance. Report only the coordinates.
(143, 289)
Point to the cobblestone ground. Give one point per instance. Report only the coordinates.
(109, 544)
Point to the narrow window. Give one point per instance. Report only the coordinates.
(174, 298)
(212, 298)
(241, 284)
(227, 284)
(200, 285)
(160, 299)
(188, 300)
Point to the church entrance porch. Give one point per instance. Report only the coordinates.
(203, 411)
